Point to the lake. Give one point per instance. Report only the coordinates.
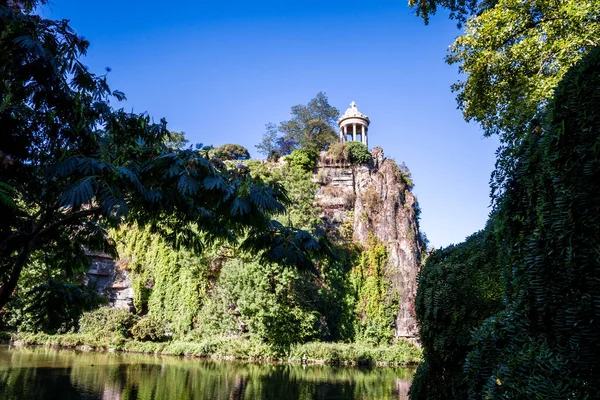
(43, 373)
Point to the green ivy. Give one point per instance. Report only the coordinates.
(167, 283)
(376, 306)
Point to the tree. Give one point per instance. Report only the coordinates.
(513, 54)
(268, 145)
(459, 9)
(545, 341)
(71, 165)
(230, 152)
(312, 127)
(176, 140)
(447, 315)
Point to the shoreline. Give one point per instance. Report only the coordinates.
(312, 353)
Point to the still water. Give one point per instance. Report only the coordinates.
(42, 373)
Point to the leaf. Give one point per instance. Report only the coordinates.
(7, 196)
(132, 178)
(80, 193)
(187, 185)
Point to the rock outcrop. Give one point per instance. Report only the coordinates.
(110, 280)
(376, 200)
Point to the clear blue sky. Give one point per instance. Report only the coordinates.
(220, 70)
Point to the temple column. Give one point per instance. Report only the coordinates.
(354, 133)
(363, 137)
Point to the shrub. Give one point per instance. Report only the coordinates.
(148, 328)
(107, 321)
(402, 352)
(303, 159)
(358, 153)
(338, 152)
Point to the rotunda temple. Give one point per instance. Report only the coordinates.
(354, 125)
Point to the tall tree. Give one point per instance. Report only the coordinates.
(312, 127)
(70, 165)
(513, 54)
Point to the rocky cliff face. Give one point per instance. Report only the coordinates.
(376, 200)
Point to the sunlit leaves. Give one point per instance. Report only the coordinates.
(514, 54)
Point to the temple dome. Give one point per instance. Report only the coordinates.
(353, 112)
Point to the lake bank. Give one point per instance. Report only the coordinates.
(403, 353)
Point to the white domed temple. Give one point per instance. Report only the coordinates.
(354, 125)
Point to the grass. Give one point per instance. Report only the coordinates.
(401, 353)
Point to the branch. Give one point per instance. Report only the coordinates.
(65, 221)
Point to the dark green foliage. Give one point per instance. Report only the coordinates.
(306, 160)
(312, 127)
(459, 287)
(54, 307)
(107, 322)
(72, 165)
(358, 153)
(230, 152)
(547, 341)
(148, 328)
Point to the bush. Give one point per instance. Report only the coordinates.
(107, 321)
(148, 328)
(303, 159)
(402, 352)
(338, 152)
(358, 153)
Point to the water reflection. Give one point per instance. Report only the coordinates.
(41, 373)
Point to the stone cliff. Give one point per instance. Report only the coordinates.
(376, 200)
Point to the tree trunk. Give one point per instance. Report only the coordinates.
(9, 286)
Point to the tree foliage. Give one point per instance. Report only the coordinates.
(544, 340)
(513, 54)
(71, 165)
(303, 159)
(311, 128)
(460, 10)
(230, 152)
(551, 204)
(459, 287)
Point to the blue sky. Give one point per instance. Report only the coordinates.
(219, 71)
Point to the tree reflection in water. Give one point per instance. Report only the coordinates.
(41, 373)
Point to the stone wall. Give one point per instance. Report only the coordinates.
(375, 200)
(109, 280)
